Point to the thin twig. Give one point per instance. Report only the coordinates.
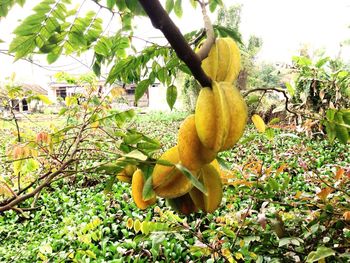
(273, 89)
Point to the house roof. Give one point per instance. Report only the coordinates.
(27, 87)
(35, 88)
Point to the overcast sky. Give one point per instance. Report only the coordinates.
(283, 26)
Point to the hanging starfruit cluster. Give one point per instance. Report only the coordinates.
(218, 123)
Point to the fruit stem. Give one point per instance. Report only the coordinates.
(209, 30)
(161, 20)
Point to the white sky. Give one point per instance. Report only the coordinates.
(283, 25)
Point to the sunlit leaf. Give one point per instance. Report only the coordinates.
(320, 253)
(259, 123)
(136, 154)
(178, 8)
(169, 5)
(196, 183)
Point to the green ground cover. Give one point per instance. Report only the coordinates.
(285, 200)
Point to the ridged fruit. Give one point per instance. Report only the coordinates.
(211, 63)
(126, 174)
(182, 204)
(223, 121)
(212, 117)
(124, 178)
(206, 118)
(224, 60)
(211, 180)
(137, 184)
(238, 113)
(168, 181)
(216, 165)
(193, 154)
(235, 61)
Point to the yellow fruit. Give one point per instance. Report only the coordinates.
(168, 181)
(210, 64)
(126, 174)
(235, 61)
(137, 184)
(193, 155)
(182, 204)
(130, 169)
(216, 165)
(124, 178)
(212, 117)
(206, 118)
(223, 115)
(210, 178)
(238, 113)
(224, 59)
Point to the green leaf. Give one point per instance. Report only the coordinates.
(147, 191)
(103, 46)
(250, 138)
(274, 184)
(148, 147)
(127, 22)
(44, 99)
(330, 129)
(320, 253)
(330, 114)
(212, 5)
(228, 32)
(341, 130)
(274, 121)
(162, 74)
(196, 183)
(54, 55)
(290, 89)
(71, 101)
(132, 138)
(185, 69)
(22, 46)
(346, 117)
(171, 95)
(321, 62)
(110, 4)
(270, 133)
(252, 99)
(290, 240)
(193, 3)
(141, 88)
(136, 154)
(169, 5)
(178, 8)
(342, 133)
(135, 7)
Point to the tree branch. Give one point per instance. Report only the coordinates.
(161, 20)
(273, 89)
(209, 42)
